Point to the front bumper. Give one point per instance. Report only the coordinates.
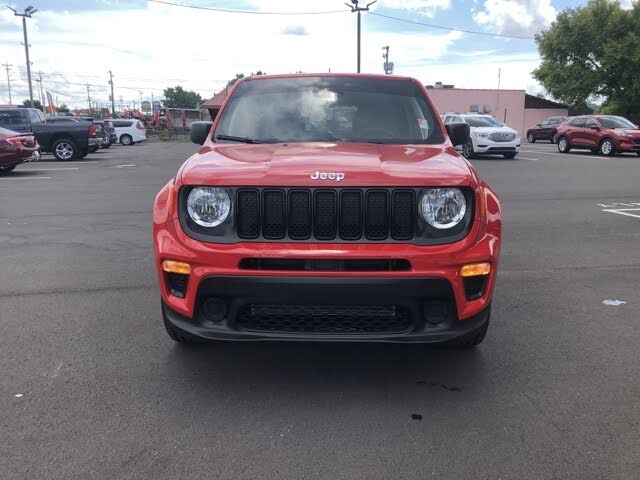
(402, 310)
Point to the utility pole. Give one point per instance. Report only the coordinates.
(26, 14)
(7, 67)
(140, 92)
(388, 66)
(113, 99)
(89, 96)
(356, 9)
(120, 103)
(498, 92)
(41, 90)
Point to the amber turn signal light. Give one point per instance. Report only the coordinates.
(176, 267)
(475, 269)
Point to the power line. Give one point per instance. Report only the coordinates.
(453, 29)
(250, 12)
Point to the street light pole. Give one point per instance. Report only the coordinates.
(356, 9)
(28, 12)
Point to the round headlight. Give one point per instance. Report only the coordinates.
(443, 207)
(208, 206)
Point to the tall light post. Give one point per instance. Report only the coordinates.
(357, 9)
(28, 12)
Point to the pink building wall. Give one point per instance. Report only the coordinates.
(506, 105)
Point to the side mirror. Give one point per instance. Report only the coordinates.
(200, 131)
(538, 124)
(459, 133)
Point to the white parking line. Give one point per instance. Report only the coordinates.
(525, 158)
(625, 211)
(48, 169)
(23, 178)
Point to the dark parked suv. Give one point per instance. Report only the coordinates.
(545, 130)
(606, 134)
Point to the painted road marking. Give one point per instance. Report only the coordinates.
(23, 178)
(47, 169)
(123, 166)
(518, 157)
(621, 208)
(625, 211)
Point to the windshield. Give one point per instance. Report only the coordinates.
(329, 109)
(482, 121)
(616, 122)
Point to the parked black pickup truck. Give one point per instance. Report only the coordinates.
(65, 140)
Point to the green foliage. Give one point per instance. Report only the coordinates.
(591, 52)
(239, 76)
(36, 104)
(177, 97)
(62, 108)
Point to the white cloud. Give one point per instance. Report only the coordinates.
(515, 17)
(424, 7)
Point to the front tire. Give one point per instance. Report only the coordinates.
(607, 148)
(467, 150)
(126, 139)
(64, 150)
(7, 169)
(531, 138)
(106, 145)
(563, 145)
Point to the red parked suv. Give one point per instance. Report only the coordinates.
(606, 134)
(327, 208)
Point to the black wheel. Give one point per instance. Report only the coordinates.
(126, 139)
(106, 145)
(607, 147)
(467, 150)
(7, 169)
(563, 145)
(475, 338)
(638, 153)
(531, 138)
(509, 155)
(64, 149)
(551, 140)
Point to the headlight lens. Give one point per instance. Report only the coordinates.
(443, 208)
(208, 206)
(624, 134)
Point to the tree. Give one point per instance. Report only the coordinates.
(177, 97)
(239, 76)
(62, 109)
(36, 104)
(592, 52)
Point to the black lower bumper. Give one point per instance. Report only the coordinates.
(353, 309)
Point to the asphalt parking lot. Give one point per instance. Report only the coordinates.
(91, 387)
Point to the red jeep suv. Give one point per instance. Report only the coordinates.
(607, 134)
(327, 208)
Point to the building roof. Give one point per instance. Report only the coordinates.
(217, 100)
(531, 101)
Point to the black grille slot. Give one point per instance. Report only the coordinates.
(402, 215)
(325, 265)
(351, 214)
(248, 214)
(377, 216)
(325, 225)
(325, 319)
(299, 214)
(274, 214)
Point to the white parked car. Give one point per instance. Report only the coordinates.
(488, 135)
(129, 131)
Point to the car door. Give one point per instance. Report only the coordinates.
(591, 132)
(576, 132)
(542, 129)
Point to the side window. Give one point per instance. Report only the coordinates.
(34, 117)
(590, 122)
(118, 124)
(577, 122)
(544, 123)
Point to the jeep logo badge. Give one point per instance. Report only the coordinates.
(337, 176)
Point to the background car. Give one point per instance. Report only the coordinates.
(130, 131)
(488, 135)
(16, 148)
(545, 130)
(607, 134)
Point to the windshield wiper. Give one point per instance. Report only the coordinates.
(232, 138)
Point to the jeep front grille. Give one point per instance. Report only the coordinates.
(325, 214)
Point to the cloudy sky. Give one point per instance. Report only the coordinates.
(150, 45)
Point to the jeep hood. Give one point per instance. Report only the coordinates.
(362, 164)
